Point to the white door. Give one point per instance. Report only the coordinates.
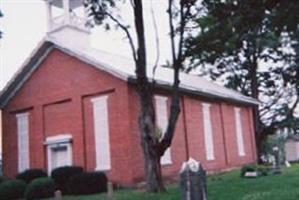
(59, 157)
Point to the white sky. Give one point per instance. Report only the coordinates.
(24, 26)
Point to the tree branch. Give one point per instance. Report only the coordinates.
(157, 41)
(125, 29)
(294, 106)
(264, 110)
(177, 65)
(182, 30)
(171, 26)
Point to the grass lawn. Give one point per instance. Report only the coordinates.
(228, 186)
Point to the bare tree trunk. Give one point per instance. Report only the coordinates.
(149, 139)
(259, 137)
(153, 146)
(149, 142)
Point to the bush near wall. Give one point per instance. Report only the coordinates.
(12, 189)
(31, 174)
(62, 176)
(260, 169)
(2, 179)
(40, 188)
(88, 183)
(247, 168)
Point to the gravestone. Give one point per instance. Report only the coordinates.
(110, 191)
(251, 175)
(57, 195)
(288, 164)
(193, 181)
(276, 165)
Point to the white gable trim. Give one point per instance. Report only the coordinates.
(98, 65)
(84, 58)
(162, 121)
(28, 74)
(239, 132)
(208, 131)
(101, 131)
(89, 58)
(23, 141)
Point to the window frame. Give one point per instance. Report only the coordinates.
(208, 132)
(162, 122)
(23, 119)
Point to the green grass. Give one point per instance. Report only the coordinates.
(228, 186)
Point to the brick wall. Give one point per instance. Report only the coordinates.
(58, 96)
(224, 135)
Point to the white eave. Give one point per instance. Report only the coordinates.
(119, 67)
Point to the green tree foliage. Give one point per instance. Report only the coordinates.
(232, 36)
(251, 46)
(283, 22)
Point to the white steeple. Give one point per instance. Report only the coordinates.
(67, 26)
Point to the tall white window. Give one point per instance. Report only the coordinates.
(239, 132)
(162, 120)
(101, 131)
(23, 141)
(208, 131)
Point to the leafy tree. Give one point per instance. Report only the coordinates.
(283, 21)
(179, 14)
(236, 39)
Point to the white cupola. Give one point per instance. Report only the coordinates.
(68, 22)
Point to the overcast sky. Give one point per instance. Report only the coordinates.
(24, 26)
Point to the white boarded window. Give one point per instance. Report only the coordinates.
(23, 141)
(239, 132)
(162, 120)
(101, 131)
(208, 131)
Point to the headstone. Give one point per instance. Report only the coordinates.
(276, 165)
(110, 191)
(58, 195)
(287, 163)
(193, 181)
(251, 174)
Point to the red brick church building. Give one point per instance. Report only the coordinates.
(71, 104)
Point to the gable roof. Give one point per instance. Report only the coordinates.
(122, 68)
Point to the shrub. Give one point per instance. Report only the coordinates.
(247, 168)
(88, 183)
(263, 170)
(62, 177)
(2, 179)
(31, 174)
(40, 188)
(12, 189)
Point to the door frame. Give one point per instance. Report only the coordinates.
(53, 142)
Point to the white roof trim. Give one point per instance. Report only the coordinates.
(88, 60)
(25, 63)
(27, 76)
(124, 69)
